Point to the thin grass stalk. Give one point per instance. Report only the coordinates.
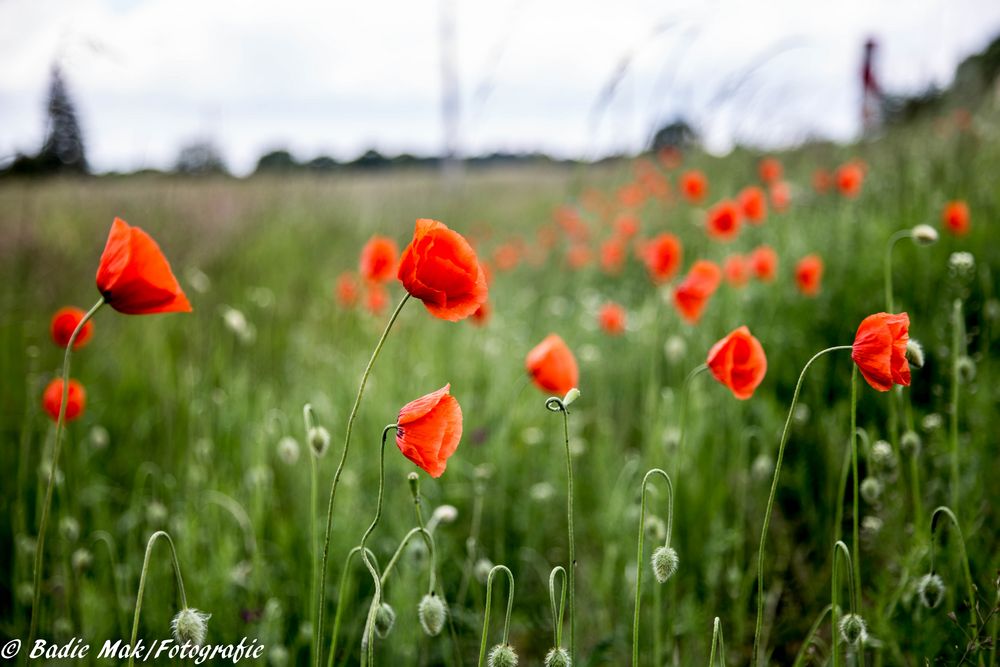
(970, 585)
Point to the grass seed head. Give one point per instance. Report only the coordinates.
(871, 490)
(910, 442)
(966, 369)
(882, 455)
(288, 450)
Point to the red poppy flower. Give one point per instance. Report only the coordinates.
(956, 218)
(781, 196)
(880, 350)
(764, 262)
(694, 185)
(691, 296)
(723, 221)
(378, 259)
(737, 270)
(482, 314)
(134, 276)
(506, 256)
(552, 366)
(738, 361)
(770, 170)
(428, 430)
(75, 402)
(347, 289)
(612, 319)
(578, 256)
(662, 255)
(822, 181)
(376, 298)
(440, 268)
(612, 255)
(849, 178)
(64, 322)
(669, 157)
(808, 274)
(631, 195)
(753, 204)
(626, 226)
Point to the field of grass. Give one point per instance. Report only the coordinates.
(185, 414)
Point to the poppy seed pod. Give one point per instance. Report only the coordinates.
(853, 629)
(502, 655)
(385, 618)
(665, 563)
(319, 440)
(930, 589)
(557, 657)
(190, 626)
(924, 235)
(915, 353)
(432, 613)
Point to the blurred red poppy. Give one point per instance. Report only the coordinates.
(822, 181)
(612, 318)
(578, 256)
(691, 296)
(347, 289)
(849, 178)
(662, 255)
(738, 361)
(753, 204)
(482, 314)
(631, 195)
(694, 185)
(376, 298)
(612, 255)
(781, 196)
(76, 400)
(809, 274)
(507, 256)
(764, 262)
(669, 157)
(626, 226)
(770, 170)
(552, 366)
(65, 322)
(736, 269)
(956, 218)
(440, 268)
(428, 430)
(723, 221)
(880, 350)
(378, 259)
(134, 276)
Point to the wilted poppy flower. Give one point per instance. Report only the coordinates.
(578, 256)
(880, 350)
(738, 361)
(134, 276)
(378, 259)
(764, 262)
(770, 170)
(626, 226)
(822, 180)
(428, 430)
(781, 196)
(64, 322)
(694, 185)
(347, 289)
(849, 178)
(723, 221)
(75, 402)
(753, 204)
(737, 270)
(956, 218)
(691, 296)
(612, 255)
(662, 255)
(376, 298)
(612, 318)
(440, 268)
(552, 366)
(482, 314)
(808, 274)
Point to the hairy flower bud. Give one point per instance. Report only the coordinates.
(481, 569)
(966, 369)
(557, 657)
(665, 563)
(853, 629)
(882, 454)
(432, 613)
(571, 396)
(502, 655)
(915, 353)
(319, 440)
(910, 442)
(930, 589)
(871, 490)
(190, 625)
(288, 450)
(924, 235)
(385, 618)
(82, 559)
(70, 529)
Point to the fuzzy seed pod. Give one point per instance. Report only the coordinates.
(871, 489)
(288, 450)
(82, 559)
(190, 625)
(930, 589)
(932, 422)
(502, 655)
(966, 369)
(665, 563)
(557, 657)
(915, 353)
(674, 349)
(853, 630)
(882, 454)
(70, 529)
(319, 440)
(444, 514)
(871, 526)
(962, 264)
(924, 235)
(385, 618)
(801, 414)
(910, 442)
(99, 437)
(432, 613)
(481, 569)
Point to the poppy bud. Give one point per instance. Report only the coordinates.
(571, 396)
(190, 625)
(871, 490)
(966, 369)
(432, 613)
(665, 563)
(70, 529)
(481, 569)
(932, 422)
(319, 440)
(278, 656)
(656, 529)
(557, 657)
(81, 560)
(924, 235)
(385, 618)
(962, 265)
(871, 526)
(99, 437)
(288, 450)
(910, 442)
(915, 353)
(882, 454)
(853, 629)
(502, 655)
(930, 589)
(414, 481)
(444, 514)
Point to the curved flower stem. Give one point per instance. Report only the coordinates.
(342, 600)
(957, 336)
(320, 596)
(556, 405)
(839, 548)
(685, 390)
(367, 640)
(801, 657)
(47, 503)
(757, 648)
(557, 611)
(638, 554)
(142, 583)
(108, 541)
(970, 586)
(489, 601)
(717, 642)
(429, 541)
(855, 536)
(845, 471)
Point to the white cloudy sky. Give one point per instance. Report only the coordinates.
(337, 76)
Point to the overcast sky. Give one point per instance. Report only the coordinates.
(338, 77)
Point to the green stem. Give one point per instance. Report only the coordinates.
(342, 600)
(105, 538)
(47, 503)
(857, 486)
(682, 418)
(429, 541)
(639, 555)
(556, 405)
(956, 345)
(800, 659)
(717, 642)
(309, 420)
(489, 601)
(557, 611)
(757, 648)
(320, 597)
(142, 583)
(841, 549)
(970, 586)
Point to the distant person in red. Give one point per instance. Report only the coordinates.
(871, 92)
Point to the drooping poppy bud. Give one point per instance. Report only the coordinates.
(738, 362)
(879, 350)
(428, 430)
(552, 366)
